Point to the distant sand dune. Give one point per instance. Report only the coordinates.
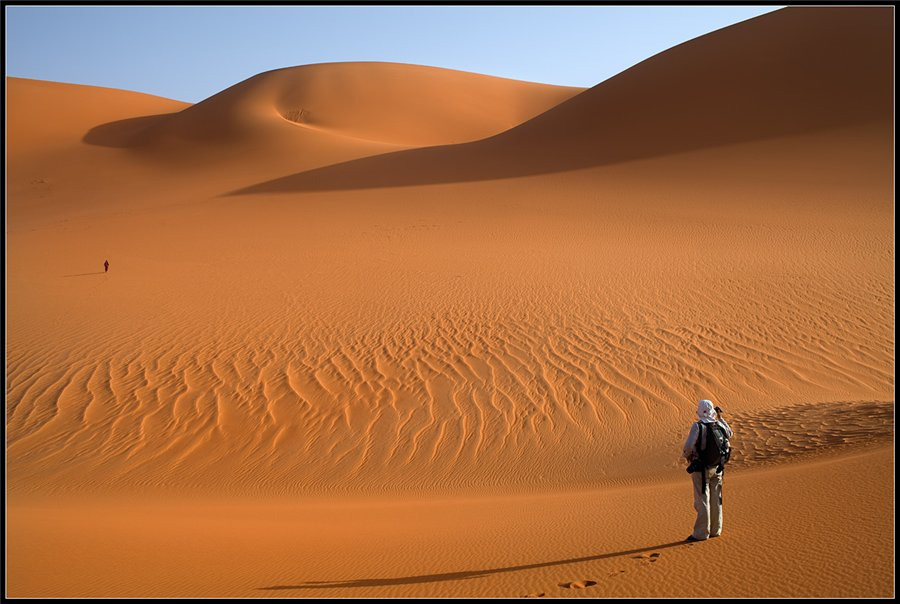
(349, 110)
(393, 104)
(819, 69)
(75, 110)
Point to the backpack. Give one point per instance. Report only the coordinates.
(718, 448)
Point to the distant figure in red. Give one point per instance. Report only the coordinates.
(106, 266)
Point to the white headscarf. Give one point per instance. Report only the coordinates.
(706, 411)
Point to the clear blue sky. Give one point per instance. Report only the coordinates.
(189, 53)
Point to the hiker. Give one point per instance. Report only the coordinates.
(707, 448)
(106, 266)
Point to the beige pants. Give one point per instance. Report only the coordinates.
(708, 504)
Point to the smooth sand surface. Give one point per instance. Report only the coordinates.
(389, 330)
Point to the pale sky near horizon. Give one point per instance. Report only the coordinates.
(189, 53)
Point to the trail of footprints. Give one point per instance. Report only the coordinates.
(588, 583)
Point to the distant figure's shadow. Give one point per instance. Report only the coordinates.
(459, 575)
(86, 274)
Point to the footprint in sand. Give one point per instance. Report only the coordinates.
(648, 557)
(578, 584)
(535, 595)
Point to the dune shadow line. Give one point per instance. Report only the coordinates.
(509, 156)
(126, 133)
(459, 575)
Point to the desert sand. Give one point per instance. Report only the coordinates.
(382, 330)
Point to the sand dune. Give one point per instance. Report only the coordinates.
(407, 105)
(288, 119)
(51, 173)
(819, 69)
(449, 337)
(44, 116)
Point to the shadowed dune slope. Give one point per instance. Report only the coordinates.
(44, 116)
(819, 68)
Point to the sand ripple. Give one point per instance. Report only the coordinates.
(454, 405)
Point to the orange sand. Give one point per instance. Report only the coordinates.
(389, 330)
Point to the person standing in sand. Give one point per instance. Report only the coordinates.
(707, 480)
(106, 266)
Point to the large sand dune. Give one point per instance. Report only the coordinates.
(429, 296)
(407, 105)
(818, 69)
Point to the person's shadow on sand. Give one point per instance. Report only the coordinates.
(86, 274)
(459, 575)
